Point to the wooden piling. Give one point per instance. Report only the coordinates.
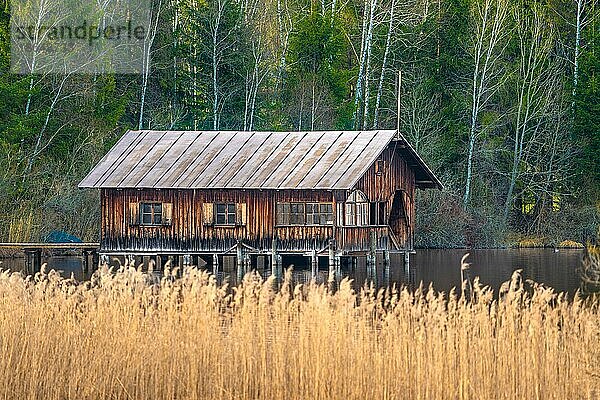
(85, 261)
(314, 262)
(275, 261)
(240, 262)
(247, 263)
(215, 264)
(386, 267)
(407, 271)
(331, 260)
(372, 258)
(95, 261)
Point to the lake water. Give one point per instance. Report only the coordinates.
(439, 267)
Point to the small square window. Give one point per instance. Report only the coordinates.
(225, 214)
(151, 213)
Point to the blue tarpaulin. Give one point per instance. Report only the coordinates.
(61, 237)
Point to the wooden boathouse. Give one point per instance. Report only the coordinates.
(259, 199)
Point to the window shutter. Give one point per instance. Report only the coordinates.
(167, 213)
(134, 213)
(240, 217)
(208, 213)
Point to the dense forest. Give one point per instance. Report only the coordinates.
(500, 97)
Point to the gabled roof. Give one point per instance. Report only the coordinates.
(245, 160)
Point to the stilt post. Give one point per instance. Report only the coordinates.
(275, 260)
(85, 261)
(407, 272)
(215, 264)
(95, 260)
(331, 260)
(158, 263)
(247, 263)
(240, 262)
(372, 258)
(386, 267)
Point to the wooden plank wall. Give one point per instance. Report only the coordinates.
(188, 233)
(397, 177)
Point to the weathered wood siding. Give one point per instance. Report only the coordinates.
(394, 185)
(396, 181)
(188, 232)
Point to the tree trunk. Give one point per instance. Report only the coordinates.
(578, 27)
(368, 64)
(359, 80)
(146, 61)
(388, 41)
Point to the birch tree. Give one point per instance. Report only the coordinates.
(368, 57)
(284, 29)
(358, 92)
(490, 32)
(255, 66)
(585, 14)
(153, 23)
(388, 42)
(221, 32)
(537, 86)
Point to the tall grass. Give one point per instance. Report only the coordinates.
(121, 336)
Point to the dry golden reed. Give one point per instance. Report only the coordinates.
(124, 336)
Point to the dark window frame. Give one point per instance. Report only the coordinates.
(304, 214)
(152, 209)
(377, 213)
(322, 212)
(228, 215)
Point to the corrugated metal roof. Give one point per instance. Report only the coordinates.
(242, 160)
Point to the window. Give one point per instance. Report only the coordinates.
(150, 213)
(290, 214)
(225, 213)
(319, 214)
(304, 214)
(377, 213)
(357, 209)
(379, 167)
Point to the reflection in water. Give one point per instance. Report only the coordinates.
(67, 265)
(439, 267)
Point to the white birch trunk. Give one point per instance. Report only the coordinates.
(215, 89)
(146, 61)
(388, 41)
(175, 70)
(312, 108)
(490, 28)
(578, 27)
(368, 64)
(37, 149)
(359, 80)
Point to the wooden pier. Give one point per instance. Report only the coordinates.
(33, 253)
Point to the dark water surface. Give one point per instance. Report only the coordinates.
(495, 266)
(439, 267)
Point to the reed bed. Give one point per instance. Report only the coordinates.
(124, 335)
